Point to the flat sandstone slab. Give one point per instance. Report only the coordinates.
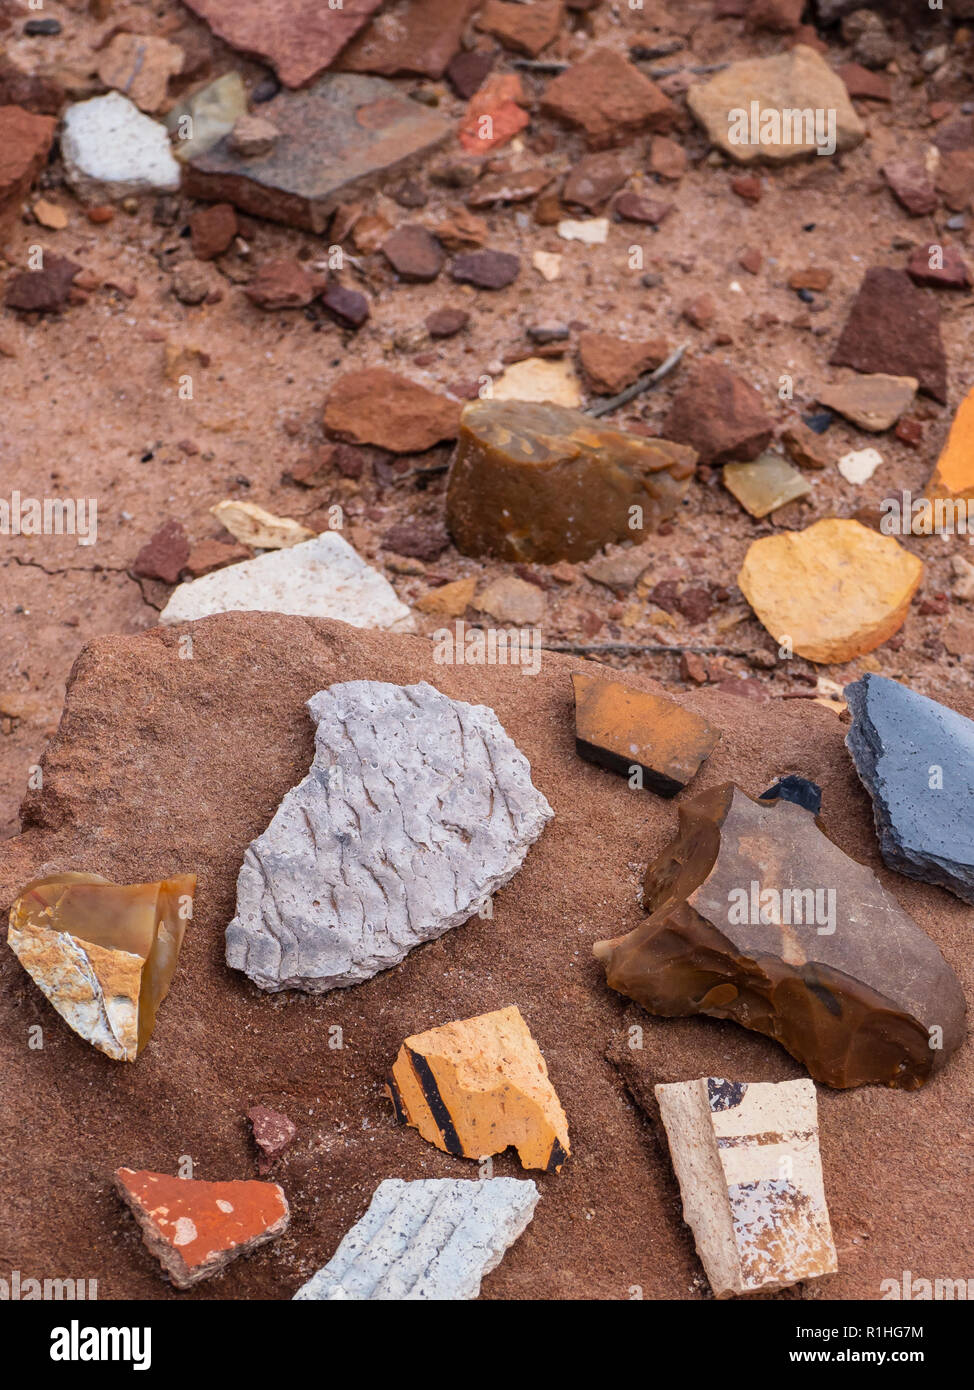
(832, 592)
(339, 141)
(756, 915)
(479, 1086)
(432, 1240)
(416, 810)
(161, 762)
(540, 482)
(746, 1156)
(196, 1228)
(626, 730)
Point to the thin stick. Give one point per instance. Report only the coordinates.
(638, 387)
(583, 648)
(697, 71)
(539, 65)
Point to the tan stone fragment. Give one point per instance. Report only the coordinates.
(103, 953)
(874, 402)
(798, 80)
(376, 406)
(953, 476)
(746, 1156)
(479, 1086)
(254, 526)
(834, 591)
(140, 67)
(450, 600)
(539, 379)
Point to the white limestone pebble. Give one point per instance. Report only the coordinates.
(416, 809)
(593, 231)
(111, 150)
(320, 578)
(434, 1239)
(859, 466)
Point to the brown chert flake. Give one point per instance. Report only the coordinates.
(103, 953)
(746, 1156)
(479, 1086)
(758, 917)
(196, 1228)
(542, 483)
(626, 730)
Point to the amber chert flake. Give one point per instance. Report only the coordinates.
(103, 953)
(478, 1086)
(758, 917)
(622, 729)
(540, 482)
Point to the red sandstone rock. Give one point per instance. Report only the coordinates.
(299, 38)
(611, 364)
(524, 28)
(375, 406)
(281, 284)
(414, 253)
(25, 140)
(273, 1134)
(164, 556)
(43, 291)
(720, 415)
(911, 185)
(409, 36)
(609, 99)
(593, 181)
(894, 328)
(940, 267)
(212, 230)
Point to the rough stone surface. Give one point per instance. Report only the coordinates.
(206, 116)
(609, 99)
(112, 151)
(43, 291)
(410, 36)
(140, 67)
(379, 407)
(939, 267)
(321, 578)
(434, 1239)
(486, 270)
(626, 730)
(953, 476)
(252, 137)
(538, 482)
(212, 230)
(194, 1228)
(151, 771)
(348, 307)
(912, 186)
(282, 283)
(746, 1156)
(719, 415)
(414, 253)
(894, 328)
(341, 141)
(357, 868)
(539, 379)
(512, 600)
(273, 1134)
(299, 38)
(165, 554)
(610, 364)
(834, 591)
(897, 739)
(797, 80)
(477, 1087)
(103, 954)
(524, 28)
(874, 402)
(25, 140)
(843, 979)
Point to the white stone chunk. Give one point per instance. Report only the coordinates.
(593, 231)
(746, 1156)
(417, 808)
(322, 578)
(111, 150)
(859, 466)
(434, 1240)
